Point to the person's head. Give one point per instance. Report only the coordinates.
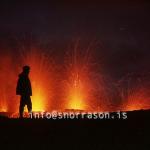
(26, 69)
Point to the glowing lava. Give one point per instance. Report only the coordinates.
(77, 73)
(3, 109)
(137, 100)
(38, 100)
(81, 86)
(76, 95)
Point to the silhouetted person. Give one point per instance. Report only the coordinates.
(24, 90)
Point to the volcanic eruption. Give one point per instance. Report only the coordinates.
(76, 86)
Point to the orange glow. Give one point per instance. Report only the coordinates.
(78, 84)
(3, 106)
(75, 86)
(76, 96)
(3, 109)
(135, 106)
(38, 100)
(138, 100)
(40, 94)
(76, 90)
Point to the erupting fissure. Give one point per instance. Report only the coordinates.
(80, 87)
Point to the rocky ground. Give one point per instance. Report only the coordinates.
(122, 134)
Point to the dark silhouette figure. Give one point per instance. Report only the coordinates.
(24, 90)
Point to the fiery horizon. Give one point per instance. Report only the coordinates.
(78, 87)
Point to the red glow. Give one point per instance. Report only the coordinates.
(76, 95)
(138, 99)
(82, 89)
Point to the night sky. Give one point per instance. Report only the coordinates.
(120, 29)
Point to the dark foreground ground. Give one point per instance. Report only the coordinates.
(129, 134)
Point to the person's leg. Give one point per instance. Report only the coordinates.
(29, 104)
(21, 107)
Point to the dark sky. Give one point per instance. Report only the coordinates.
(121, 29)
